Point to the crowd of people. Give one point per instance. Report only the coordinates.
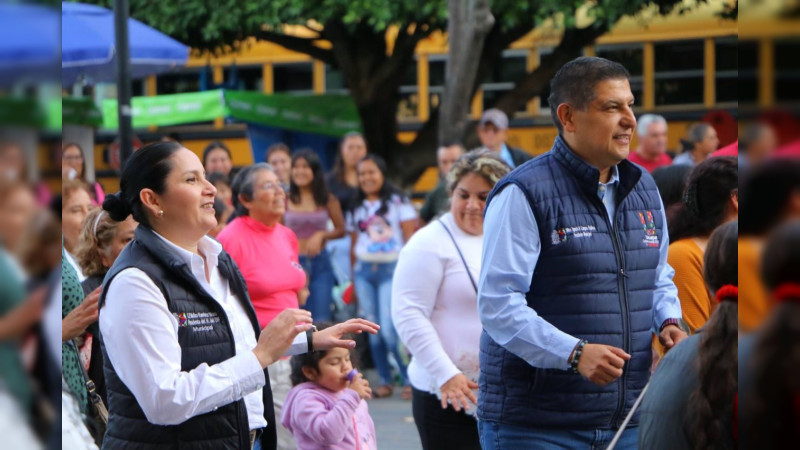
(566, 301)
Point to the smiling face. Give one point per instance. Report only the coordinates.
(269, 201)
(332, 370)
(302, 175)
(281, 163)
(370, 178)
(187, 201)
(219, 161)
(601, 134)
(468, 202)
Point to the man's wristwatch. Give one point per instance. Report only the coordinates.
(310, 337)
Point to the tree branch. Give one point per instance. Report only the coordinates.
(298, 44)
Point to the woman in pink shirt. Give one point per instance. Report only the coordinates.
(267, 255)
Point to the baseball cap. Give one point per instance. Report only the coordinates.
(495, 117)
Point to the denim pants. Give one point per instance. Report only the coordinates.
(373, 284)
(320, 285)
(496, 436)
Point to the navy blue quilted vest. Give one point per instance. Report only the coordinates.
(211, 342)
(594, 280)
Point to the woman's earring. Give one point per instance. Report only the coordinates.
(160, 213)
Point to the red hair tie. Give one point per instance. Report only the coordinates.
(728, 292)
(787, 292)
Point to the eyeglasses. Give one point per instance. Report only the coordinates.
(270, 186)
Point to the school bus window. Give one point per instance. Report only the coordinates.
(748, 72)
(408, 107)
(787, 71)
(726, 64)
(436, 79)
(244, 78)
(183, 80)
(334, 81)
(544, 105)
(294, 77)
(679, 72)
(631, 56)
(501, 78)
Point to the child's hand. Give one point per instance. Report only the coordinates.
(361, 386)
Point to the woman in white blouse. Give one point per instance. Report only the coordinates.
(435, 309)
(185, 356)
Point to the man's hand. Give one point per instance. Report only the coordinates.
(85, 314)
(332, 336)
(671, 335)
(602, 364)
(278, 336)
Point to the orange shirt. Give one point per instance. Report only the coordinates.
(754, 303)
(696, 301)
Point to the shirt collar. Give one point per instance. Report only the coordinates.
(207, 246)
(614, 177)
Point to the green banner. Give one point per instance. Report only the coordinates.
(163, 110)
(332, 115)
(21, 112)
(75, 111)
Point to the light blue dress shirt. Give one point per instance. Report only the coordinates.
(510, 253)
(505, 154)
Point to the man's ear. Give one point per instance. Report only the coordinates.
(566, 115)
(150, 200)
(310, 373)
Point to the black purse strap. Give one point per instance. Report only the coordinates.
(466, 267)
(91, 389)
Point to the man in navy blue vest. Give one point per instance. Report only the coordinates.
(574, 277)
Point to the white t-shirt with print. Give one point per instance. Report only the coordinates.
(380, 238)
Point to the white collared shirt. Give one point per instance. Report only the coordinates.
(141, 338)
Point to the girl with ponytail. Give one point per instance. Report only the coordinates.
(690, 400)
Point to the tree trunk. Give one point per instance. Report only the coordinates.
(470, 22)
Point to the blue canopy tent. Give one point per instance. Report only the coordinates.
(28, 44)
(88, 47)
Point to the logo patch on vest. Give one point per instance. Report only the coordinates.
(560, 235)
(649, 227)
(199, 321)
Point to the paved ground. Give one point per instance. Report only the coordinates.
(394, 423)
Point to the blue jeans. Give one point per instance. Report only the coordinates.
(373, 284)
(496, 436)
(320, 286)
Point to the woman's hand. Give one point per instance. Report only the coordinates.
(332, 336)
(457, 390)
(81, 317)
(278, 336)
(315, 244)
(361, 386)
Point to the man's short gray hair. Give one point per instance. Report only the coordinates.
(644, 122)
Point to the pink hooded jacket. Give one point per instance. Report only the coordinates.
(322, 419)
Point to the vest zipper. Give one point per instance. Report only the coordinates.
(623, 296)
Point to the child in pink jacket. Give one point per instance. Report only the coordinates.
(326, 407)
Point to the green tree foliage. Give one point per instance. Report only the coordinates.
(373, 70)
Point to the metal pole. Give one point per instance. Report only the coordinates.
(628, 418)
(121, 13)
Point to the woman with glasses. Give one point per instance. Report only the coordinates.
(73, 167)
(267, 254)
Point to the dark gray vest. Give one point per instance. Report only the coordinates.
(594, 280)
(204, 335)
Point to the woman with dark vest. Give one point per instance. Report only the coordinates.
(184, 355)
